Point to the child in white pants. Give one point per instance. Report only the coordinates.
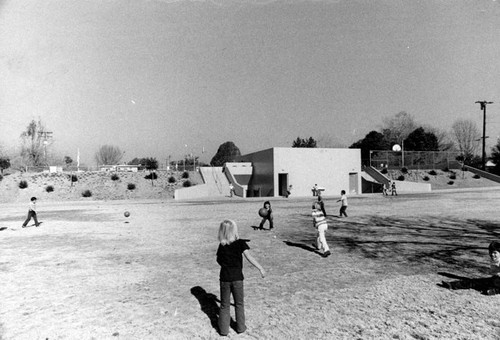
(321, 225)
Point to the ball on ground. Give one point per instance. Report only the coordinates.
(263, 212)
(126, 213)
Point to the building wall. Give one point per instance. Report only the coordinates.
(329, 168)
(262, 180)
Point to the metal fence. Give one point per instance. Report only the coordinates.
(413, 159)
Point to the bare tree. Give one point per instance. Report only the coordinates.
(466, 135)
(32, 148)
(397, 128)
(108, 155)
(445, 143)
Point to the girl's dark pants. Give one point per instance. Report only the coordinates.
(342, 211)
(31, 214)
(264, 219)
(236, 289)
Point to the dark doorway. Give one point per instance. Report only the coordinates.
(282, 184)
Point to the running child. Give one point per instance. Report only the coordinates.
(230, 257)
(268, 217)
(343, 205)
(321, 225)
(32, 213)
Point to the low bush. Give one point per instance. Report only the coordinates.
(187, 184)
(453, 176)
(171, 179)
(404, 170)
(115, 177)
(131, 186)
(74, 178)
(446, 169)
(1, 177)
(185, 175)
(23, 184)
(433, 173)
(426, 178)
(476, 176)
(49, 188)
(152, 175)
(87, 193)
(451, 182)
(401, 178)
(384, 171)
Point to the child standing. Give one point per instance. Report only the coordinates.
(31, 213)
(321, 225)
(268, 217)
(488, 285)
(343, 206)
(322, 205)
(230, 258)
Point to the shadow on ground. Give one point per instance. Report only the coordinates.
(453, 243)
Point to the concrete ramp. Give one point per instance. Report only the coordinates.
(215, 185)
(482, 173)
(377, 175)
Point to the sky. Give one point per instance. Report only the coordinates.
(168, 78)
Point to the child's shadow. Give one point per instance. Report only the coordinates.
(303, 246)
(254, 227)
(208, 303)
(478, 284)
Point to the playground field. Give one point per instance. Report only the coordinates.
(91, 273)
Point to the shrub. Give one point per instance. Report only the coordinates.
(401, 178)
(1, 177)
(453, 176)
(446, 169)
(426, 178)
(476, 176)
(49, 188)
(23, 184)
(131, 186)
(115, 177)
(187, 184)
(171, 179)
(74, 178)
(451, 182)
(384, 171)
(404, 170)
(152, 175)
(87, 193)
(185, 175)
(433, 173)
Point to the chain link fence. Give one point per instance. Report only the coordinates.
(414, 159)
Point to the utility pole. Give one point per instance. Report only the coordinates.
(483, 107)
(46, 135)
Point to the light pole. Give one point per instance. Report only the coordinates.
(483, 107)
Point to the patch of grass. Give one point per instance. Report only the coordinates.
(49, 188)
(87, 193)
(23, 185)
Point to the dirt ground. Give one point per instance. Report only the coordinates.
(90, 273)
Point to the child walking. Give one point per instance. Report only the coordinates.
(488, 285)
(32, 213)
(321, 225)
(230, 258)
(268, 217)
(343, 206)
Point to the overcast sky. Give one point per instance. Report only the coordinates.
(164, 78)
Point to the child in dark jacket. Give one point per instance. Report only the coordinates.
(230, 257)
(488, 285)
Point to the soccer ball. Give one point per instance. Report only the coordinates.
(263, 212)
(126, 213)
